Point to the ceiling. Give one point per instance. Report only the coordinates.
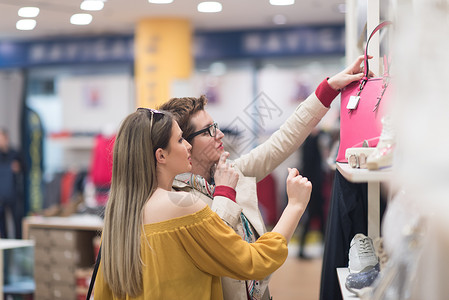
(120, 16)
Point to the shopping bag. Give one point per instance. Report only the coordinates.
(363, 104)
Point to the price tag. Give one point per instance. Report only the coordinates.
(353, 102)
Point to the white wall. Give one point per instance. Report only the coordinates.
(90, 103)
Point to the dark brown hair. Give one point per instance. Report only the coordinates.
(183, 109)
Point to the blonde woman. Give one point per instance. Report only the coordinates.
(164, 244)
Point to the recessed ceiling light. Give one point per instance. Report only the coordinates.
(279, 20)
(26, 24)
(209, 7)
(28, 12)
(81, 19)
(160, 1)
(92, 5)
(282, 2)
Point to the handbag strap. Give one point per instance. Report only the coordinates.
(94, 275)
(378, 27)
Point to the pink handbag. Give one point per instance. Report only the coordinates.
(363, 105)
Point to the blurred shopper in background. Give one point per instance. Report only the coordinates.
(11, 195)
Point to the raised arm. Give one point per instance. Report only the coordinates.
(263, 159)
(298, 191)
(233, 257)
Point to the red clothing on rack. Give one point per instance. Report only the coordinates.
(101, 166)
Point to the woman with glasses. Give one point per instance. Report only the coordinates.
(163, 244)
(243, 215)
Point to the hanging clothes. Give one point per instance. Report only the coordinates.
(101, 165)
(348, 215)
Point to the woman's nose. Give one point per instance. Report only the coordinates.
(187, 145)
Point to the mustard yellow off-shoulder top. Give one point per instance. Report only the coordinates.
(189, 254)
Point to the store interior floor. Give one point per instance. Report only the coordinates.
(297, 279)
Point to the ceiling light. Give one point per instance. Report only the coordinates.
(279, 19)
(209, 7)
(26, 24)
(92, 5)
(282, 2)
(160, 1)
(81, 19)
(28, 12)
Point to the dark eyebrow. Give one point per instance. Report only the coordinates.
(208, 125)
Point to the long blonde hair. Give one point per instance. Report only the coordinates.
(133, 182)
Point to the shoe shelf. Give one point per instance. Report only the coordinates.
(373, 179)
(363, 175)
(64, 248)
(342, 273)
(75, 222)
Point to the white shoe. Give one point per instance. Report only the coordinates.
(383, 155)
(362, 256)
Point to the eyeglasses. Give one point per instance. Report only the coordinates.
(211, 129)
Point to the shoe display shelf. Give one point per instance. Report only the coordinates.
(342, 273)
(9, 244)
(373, 180)
(63, 247)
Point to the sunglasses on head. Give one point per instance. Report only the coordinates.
(155, 114)
(152, 111)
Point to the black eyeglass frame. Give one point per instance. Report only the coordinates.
(207, 129)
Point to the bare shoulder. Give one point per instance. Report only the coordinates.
(166, 205)
(185, 202)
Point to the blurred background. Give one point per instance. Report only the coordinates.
(70, 71)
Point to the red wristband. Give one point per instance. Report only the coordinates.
(225, 191)
(325, 93)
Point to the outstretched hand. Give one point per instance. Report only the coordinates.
(225, 174)
(352, 73)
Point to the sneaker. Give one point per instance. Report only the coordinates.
(362, 256)
(383, 155)
(355, 282)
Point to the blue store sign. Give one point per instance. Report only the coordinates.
(316, 40)
(313, 40)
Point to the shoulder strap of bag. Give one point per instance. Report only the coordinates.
(378, 27)
(94, 275)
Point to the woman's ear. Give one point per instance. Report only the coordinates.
(160, 156)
